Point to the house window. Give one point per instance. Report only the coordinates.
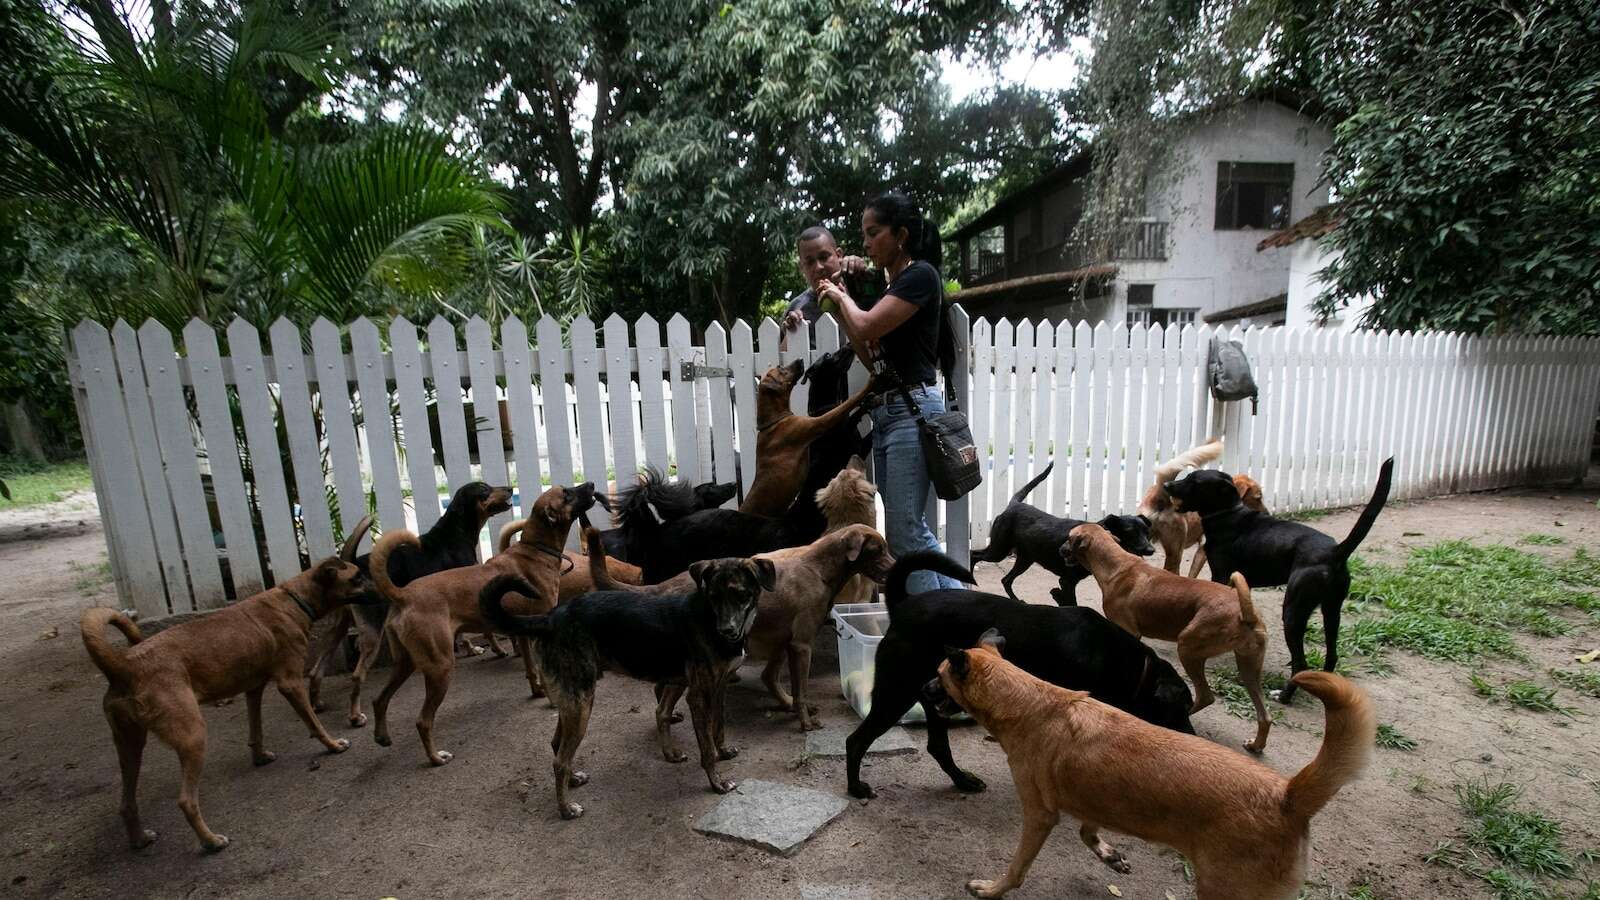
(1142, 309)
(1253, 195)
(987, 252)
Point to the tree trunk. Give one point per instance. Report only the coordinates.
(21, 437)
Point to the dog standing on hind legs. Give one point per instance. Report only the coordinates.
(158, 685)
(1312, 567)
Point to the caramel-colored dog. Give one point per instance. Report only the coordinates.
(158, 684)
(1177, 531)
(1206, 619)
(789, 615)
(849, 500)
(575, 578)
(1245, 828)
(430, 611)
(784, 438)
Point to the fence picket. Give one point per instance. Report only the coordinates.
(415, 439)
(744, 399)
(448, 409)
(553, 400)
(590, 420)
(520, 409)
(722, 459)
(684, 425)
(123, 504)
(222, 453)
(300, 424)
(1022, 468)
(652, 400)
(1082, 419)
(984, 498)
(1100, 401)
(179, 458)
(147, 452)
(1061, 418)
(486, 410)
(619, 400)
(266, 463)
(1004, 433)
(1150, 443)
(377, 421)
(1045, 407)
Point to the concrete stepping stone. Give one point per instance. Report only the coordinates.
(829, 741)
(776, 817)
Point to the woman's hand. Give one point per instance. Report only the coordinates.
(853, 265)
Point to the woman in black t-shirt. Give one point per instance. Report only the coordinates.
(902, 329)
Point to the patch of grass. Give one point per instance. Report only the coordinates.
(33, 483)
(1542, 540)
(1459, 602)
(1584, 681)
(1360, 892)
(89, 578)
(1503, 846)
(1480, 685)
(1235, 699)
(1529, 695)
(1390, 738)
(1304, 515)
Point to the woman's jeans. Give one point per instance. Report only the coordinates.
(902, 479)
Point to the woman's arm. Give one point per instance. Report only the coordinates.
(868, 325)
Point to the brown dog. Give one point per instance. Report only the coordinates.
(1206, 619)
(575, 577)
(849, 499)
(1177, 531)
(789, 615)
(783, 439)
(1245, 828)
(158, 684)
(430, 611)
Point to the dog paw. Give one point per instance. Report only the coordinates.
(535, 693)
(1117, 862)
(262, 757)
(442, 757)
(318, 705)
(980, 888)
(675, 755)
(812, 724)
(221, 843)
(969, 783)
(675, 718)
(382, 740)
(570, 810)
(1254, 748)
(146, 838)
(726, 753)
(340, 745)
(577, 779)
(723, 787)
(1284, 696)
(862, 791)
(358, 720)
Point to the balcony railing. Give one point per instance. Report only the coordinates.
(1142, 240)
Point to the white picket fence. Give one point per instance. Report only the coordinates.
(1106, 404)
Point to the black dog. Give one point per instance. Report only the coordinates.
(452, 542)
(1074, 647)
(663, 541)
(1314, 570)
(1036, 537)
(685, 642)
(670, 500)
(830, 386)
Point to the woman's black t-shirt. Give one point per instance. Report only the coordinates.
(912, 347)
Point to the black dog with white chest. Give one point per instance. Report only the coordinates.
(687, 642)
(1036, 537)
(1312, 567)
(1074, 647)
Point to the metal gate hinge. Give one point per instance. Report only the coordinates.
(689, 370)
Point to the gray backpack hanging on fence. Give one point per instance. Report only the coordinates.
(1230, 373)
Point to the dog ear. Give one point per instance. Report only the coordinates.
(959, 666)
(994, 640)
(857, 464)
(1143, 518)
(852, 545)
(326, 573)
(766, 574)
(697, 571)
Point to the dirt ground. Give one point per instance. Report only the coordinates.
(378, 822)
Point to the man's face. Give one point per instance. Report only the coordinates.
(819, 259)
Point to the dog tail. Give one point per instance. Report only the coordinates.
(508, 532)
(1380, 495)
(1197, 456)
(491, 601)
(1247, 610)
(379, 561)
(1347, 742)
(110, 659)
(1027, 489)
(933, 561)
(599, 567)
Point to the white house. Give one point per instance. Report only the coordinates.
(1237, 175)
(1302, 243)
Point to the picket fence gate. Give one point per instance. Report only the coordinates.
(1105, 404)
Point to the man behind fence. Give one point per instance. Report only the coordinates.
(819, 260)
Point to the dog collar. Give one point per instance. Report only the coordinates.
(305, 607)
